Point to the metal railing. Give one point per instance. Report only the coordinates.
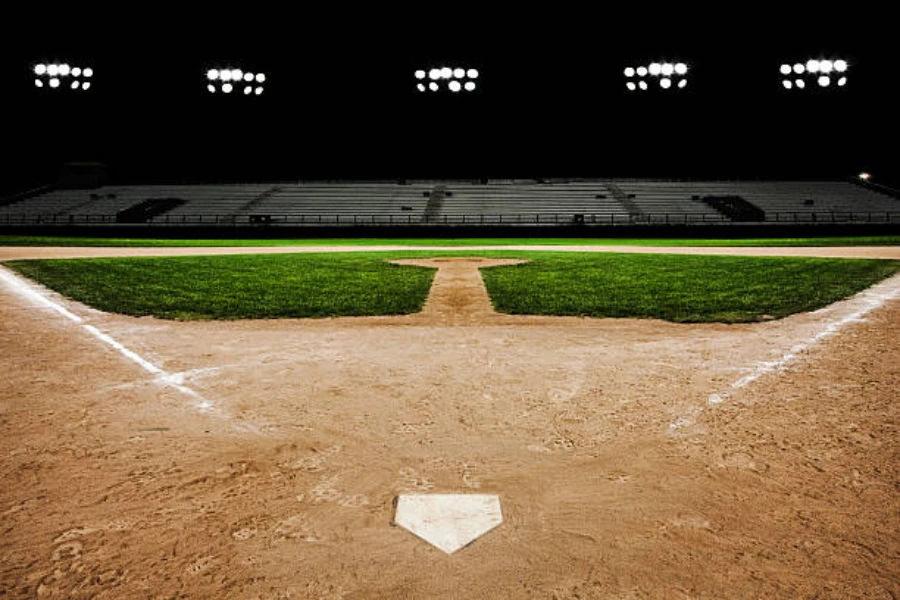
(549, 219)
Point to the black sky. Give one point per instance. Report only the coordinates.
(341, 101)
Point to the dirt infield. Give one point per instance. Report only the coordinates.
(263, 460)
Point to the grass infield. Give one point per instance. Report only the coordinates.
(884, 240)
(676, 288)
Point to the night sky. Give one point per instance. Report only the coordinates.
(341, 103)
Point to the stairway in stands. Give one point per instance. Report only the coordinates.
(435, 207)
(735, 208)
(253, 203)
(622, 198)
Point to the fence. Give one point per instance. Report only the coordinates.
(532, 219)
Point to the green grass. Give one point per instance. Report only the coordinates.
(13, 240)
(676, 288)
(686, 289)
(237, 287)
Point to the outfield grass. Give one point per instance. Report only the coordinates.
(676, 288)
(884, 240)
(237, 287)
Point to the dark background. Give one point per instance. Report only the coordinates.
(340, 100)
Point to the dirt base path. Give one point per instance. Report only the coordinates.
(633, 458)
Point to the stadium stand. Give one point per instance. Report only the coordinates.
(475, 203)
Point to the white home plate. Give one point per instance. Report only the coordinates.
(448, 521)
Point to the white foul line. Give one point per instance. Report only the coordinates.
(871, 299)
(29, 291)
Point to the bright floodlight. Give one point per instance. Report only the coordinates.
(54, 83)
(681, 68)
(840, 66)
(86, 86)
(76, 72)
(455, 86)
(787, 84)
(52, 70)
(420, 74)
(470, 86)
(40, 69)
(212, 74)
(434, 74)
(642, 85)
(225, 75)
(785, 69)
(248, 90)
(446, 73)
(799, 69)
(64, 70)
(433, 86)
(655, 69)
(258, 91)
(824, 81)
(630, 85)
(629, 72)
(237, 74)
(248, 77)
(800, 84)
(227, 88)
(682, 84)
(75, 85)
(667, 69)
(472, 73)
(842, 81)
(211, 88)
(665, 83)
(459, 73)
(260, 78)
(865, 176)
(642, 71)
(89, 72)
(38, 83)
(825, 66)
(812, 66)
(420, 87)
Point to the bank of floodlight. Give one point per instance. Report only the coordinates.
(61, 76)
(865, 176)
(671, 76)
(453, 79)
(226, 80)
(815, 73)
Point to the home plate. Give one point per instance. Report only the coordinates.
(448, 521)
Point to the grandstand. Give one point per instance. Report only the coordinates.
(470, 203)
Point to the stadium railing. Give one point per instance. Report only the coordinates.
(549, 219)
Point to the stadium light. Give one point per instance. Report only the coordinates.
(865, 176)
(454, 79)
(672, 76)
(815, 73)
(61, 76)
(225, 80)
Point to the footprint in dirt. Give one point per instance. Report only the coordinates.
(67, 551)
(201, 564)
